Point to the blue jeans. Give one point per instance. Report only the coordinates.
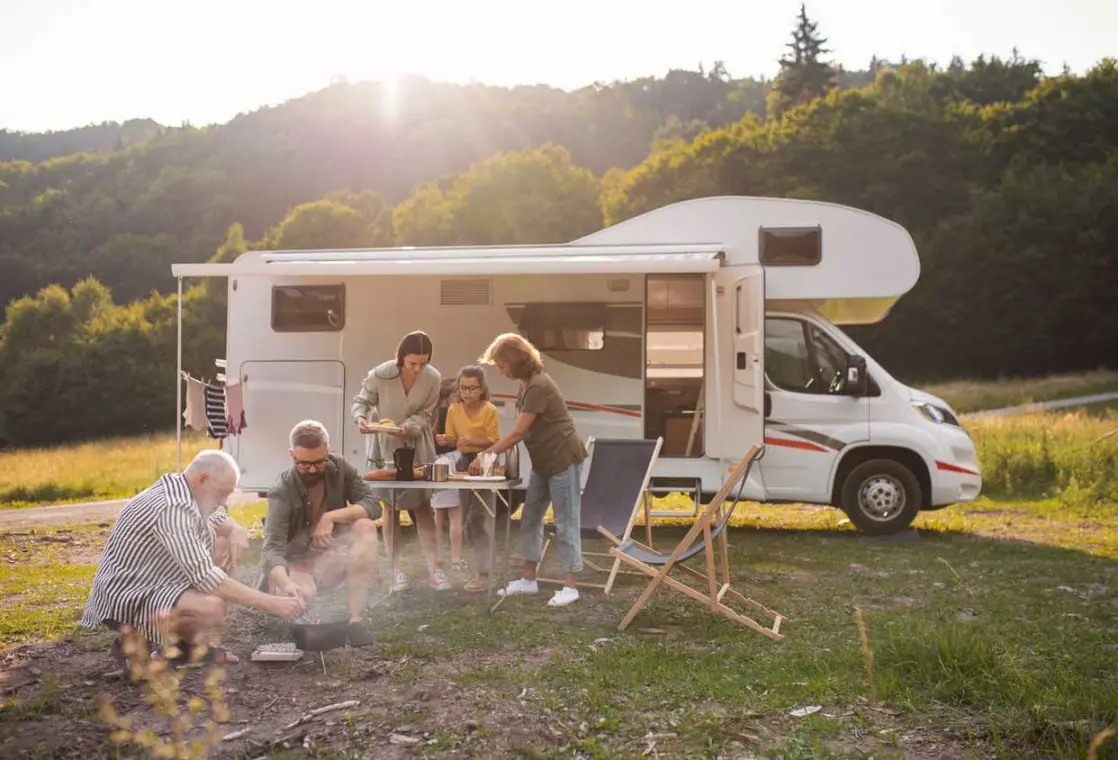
(563, 492)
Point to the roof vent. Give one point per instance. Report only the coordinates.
(464, 292)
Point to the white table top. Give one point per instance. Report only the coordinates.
(446, 485)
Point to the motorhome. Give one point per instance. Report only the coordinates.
(712, 323)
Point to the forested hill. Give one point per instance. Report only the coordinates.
(1006, 177)
(36, 147)
(122, 214)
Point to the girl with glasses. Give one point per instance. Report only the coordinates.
(472, 425)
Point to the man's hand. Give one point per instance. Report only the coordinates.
(238, 545)
(444, 440)
(233, 544)
(286, 607)
(323, 534)
(291, 588)
(363, 426)
(475, 467)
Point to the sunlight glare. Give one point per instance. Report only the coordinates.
(391, 87)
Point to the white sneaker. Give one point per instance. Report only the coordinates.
(519, 587)
(437, 580)
(563, 597)
(399, 581)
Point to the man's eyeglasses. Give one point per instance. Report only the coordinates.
(468, 388)
(317, 464)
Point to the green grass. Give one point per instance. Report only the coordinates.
(110, 469)
(992, 634)
(974, 396)
(1073, 455)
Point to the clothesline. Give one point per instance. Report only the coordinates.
(217, 409)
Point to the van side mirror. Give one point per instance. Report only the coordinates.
(857, 381)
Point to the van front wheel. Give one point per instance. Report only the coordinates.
(881, 497)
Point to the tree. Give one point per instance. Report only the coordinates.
(321, 224)
(803, 75)
(531, 196)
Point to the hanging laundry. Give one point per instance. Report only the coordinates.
(215, 412)
(235, 408)
(195, 413)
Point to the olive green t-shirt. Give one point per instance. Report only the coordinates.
(552, 441)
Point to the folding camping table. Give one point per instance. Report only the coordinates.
(477, 487)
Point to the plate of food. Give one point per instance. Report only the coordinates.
(484, 478)
(385, 426)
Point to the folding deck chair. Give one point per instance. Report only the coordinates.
(616, 491)
(712, 525)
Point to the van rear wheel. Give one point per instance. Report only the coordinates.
(881, 497)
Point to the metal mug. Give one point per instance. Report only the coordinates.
(439, 472)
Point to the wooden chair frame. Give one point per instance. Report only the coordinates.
(715, 591)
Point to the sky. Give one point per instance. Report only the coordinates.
(67, 63)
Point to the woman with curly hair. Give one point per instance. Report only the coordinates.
(545, 425)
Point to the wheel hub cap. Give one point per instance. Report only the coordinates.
(881, 497)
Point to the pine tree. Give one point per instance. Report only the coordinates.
(803, 76)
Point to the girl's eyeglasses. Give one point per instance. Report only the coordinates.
(469, 388)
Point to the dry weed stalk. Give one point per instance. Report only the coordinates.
(867, 651)
(1100, 737)
(161, 682)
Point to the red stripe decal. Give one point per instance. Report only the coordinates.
(956, 468)
(791, 444)
(582, 405)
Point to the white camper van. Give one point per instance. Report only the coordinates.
(711, 323)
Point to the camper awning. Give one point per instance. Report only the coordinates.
(499, 261)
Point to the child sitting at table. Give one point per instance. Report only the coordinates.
(472, 425)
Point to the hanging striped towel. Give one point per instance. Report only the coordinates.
(215, 412)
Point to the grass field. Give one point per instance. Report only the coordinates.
(992, 635)
(973, 396)
(110, 469)
(118, 468)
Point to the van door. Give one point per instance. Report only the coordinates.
(277, 396)
(811, 421)
(741, 359)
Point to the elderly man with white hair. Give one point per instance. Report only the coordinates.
(164, 570)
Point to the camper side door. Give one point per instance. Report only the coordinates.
(746, 427)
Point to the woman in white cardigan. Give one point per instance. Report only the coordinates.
(405, 390)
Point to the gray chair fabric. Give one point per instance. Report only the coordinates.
(615, 482)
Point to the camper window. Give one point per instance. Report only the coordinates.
(800, 357)
(791, 246)
(564, 326)
(308, 308)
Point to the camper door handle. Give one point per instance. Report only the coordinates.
(742, 363)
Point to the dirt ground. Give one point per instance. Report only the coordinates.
(448, 679)
(406, 707)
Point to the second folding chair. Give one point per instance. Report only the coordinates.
(616, 491)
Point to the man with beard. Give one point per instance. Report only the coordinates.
(319, 530)
(164, 570)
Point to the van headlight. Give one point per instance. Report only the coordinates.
(937, 414)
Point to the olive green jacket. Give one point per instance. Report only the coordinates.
(289, 509)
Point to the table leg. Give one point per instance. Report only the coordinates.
(491, 515)
(505, 498)
(389, 548)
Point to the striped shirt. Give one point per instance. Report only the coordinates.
(160, 547)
